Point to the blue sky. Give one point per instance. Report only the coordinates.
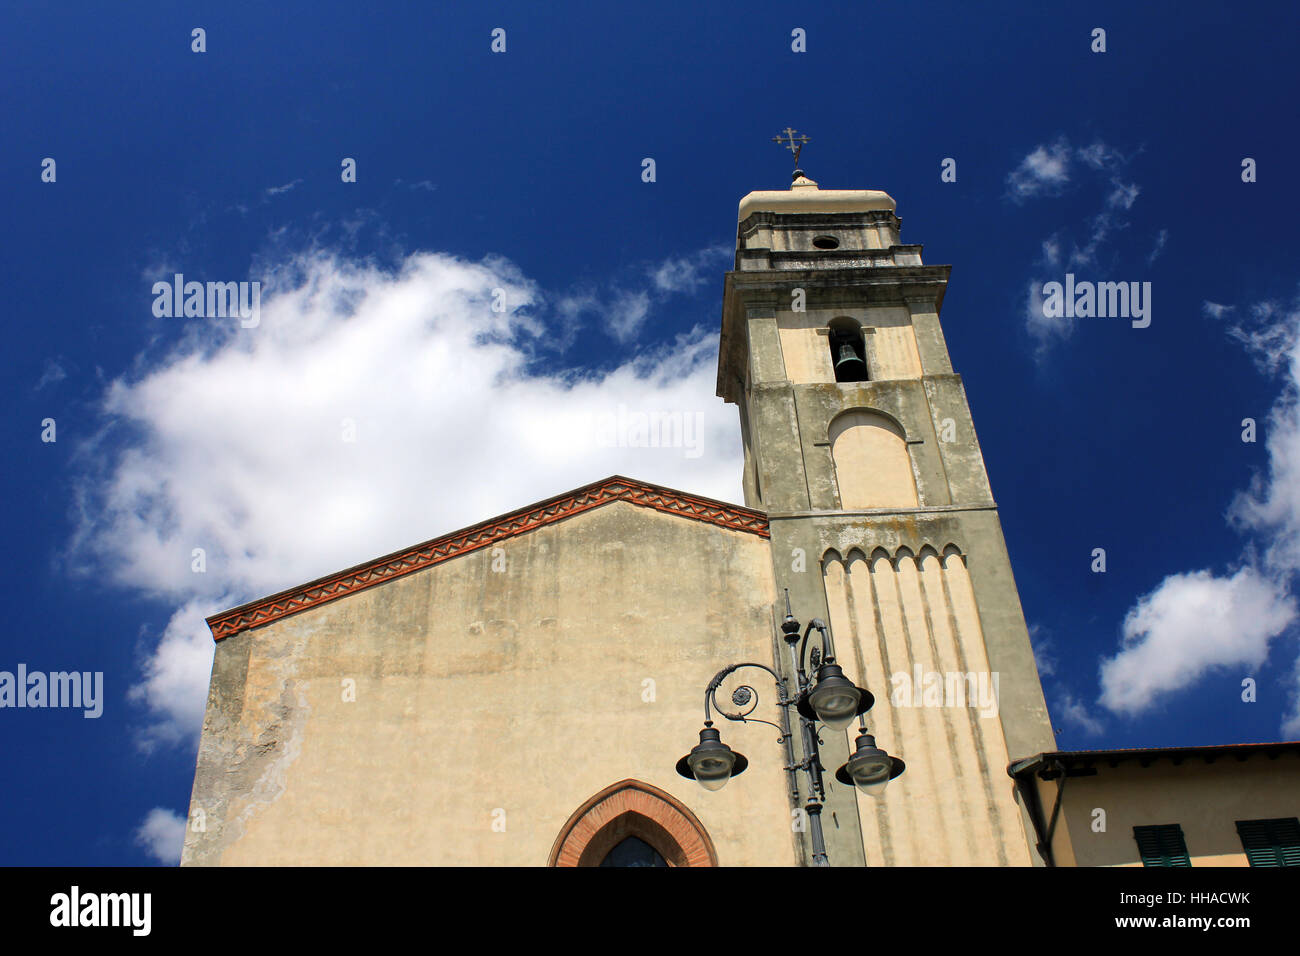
(521, 171)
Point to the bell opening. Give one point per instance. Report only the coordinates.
(848, 351)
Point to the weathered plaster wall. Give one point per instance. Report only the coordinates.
(895, 615)
(477, 691)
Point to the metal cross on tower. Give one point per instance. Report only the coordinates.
(794, 143)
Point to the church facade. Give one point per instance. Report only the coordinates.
(517, 692)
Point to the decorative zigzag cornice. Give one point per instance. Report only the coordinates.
(483, 535)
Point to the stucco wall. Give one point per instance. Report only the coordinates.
(1206, 800)
(480, 691)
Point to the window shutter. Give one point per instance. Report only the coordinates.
(1271, 842)
(1162, 845)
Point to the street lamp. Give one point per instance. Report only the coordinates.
(869, 769)
(829, 697)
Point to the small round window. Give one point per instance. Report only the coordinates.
(826, 242)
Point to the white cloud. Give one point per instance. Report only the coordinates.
(174, 685)
(162, 834)
(234, 442)
(1192, 623)
(1045, 171)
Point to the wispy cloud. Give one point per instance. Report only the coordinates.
(52, 373)
(1291, 721)
(1268, 336)
(688, 273)
(277, 190)
(1075, 713)
(423, 185)
(1065, 706)
(1044, 651)
(622, 306)
(1047, 170)
(1161, 238)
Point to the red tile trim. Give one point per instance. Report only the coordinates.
(483, 535)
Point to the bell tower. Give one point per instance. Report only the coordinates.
(860, 447)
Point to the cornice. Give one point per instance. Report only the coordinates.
(912, 280)
(814, 220)
(483, 535)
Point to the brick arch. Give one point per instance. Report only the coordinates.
(632, 808)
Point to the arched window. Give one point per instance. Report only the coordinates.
(633, 851)
(848, 350)
(872, 466)
(633, 824)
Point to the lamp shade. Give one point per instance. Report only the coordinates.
(869, 769)
(711, 763)
(834, 698)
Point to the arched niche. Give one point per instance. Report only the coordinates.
(632, 808)
(872, 465)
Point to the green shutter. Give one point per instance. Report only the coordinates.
(1162, 845)
(1271, 842)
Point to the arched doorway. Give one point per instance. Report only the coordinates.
(608, 828)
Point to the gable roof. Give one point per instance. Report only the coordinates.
(483, 535)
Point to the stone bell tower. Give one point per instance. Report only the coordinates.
(860, 447)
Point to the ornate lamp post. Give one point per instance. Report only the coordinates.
(828, 696)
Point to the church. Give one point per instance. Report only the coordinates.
(521, 692)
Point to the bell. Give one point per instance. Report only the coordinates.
(849, 367)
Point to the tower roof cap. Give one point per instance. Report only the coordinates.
(804, 196)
